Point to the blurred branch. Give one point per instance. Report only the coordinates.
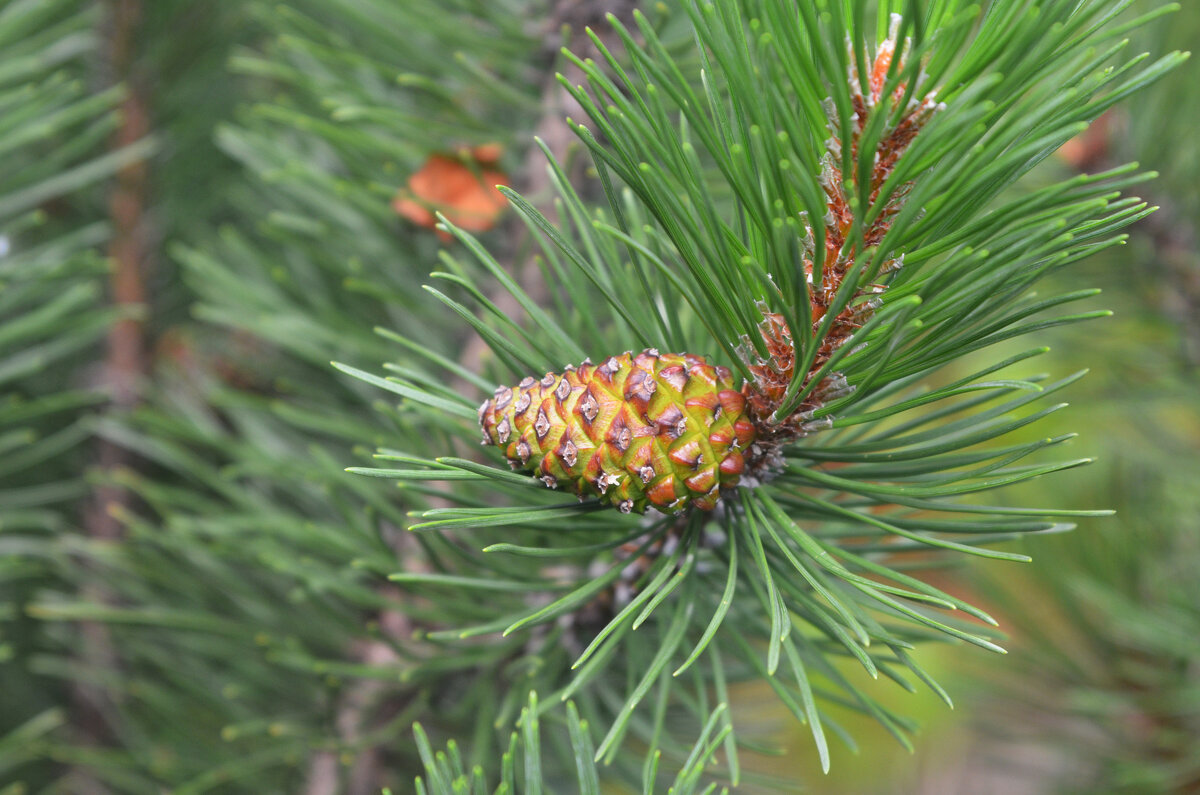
(125, 361)
(355, 705)
(361, 697)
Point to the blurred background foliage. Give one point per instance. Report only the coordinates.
(189, 594)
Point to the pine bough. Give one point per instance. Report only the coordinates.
(813, 233)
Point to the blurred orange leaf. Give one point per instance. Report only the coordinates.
(466, 196)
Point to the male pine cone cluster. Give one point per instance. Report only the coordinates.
(668, 430)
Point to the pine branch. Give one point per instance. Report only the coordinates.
(51, 324)
(836, 258)
(361, 699)
(243, 415)
(366, 773)
(124, 368)
(253, 565)
(125, 365)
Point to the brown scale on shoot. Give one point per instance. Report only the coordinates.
(667, 430)
(773, 373)
(672, 430)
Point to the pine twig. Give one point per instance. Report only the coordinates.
(366, 773)
(125, 362)
(124, 365)
(365, 776)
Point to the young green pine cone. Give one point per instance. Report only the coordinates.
(666, 430)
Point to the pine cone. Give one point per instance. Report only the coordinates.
(666, 430)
